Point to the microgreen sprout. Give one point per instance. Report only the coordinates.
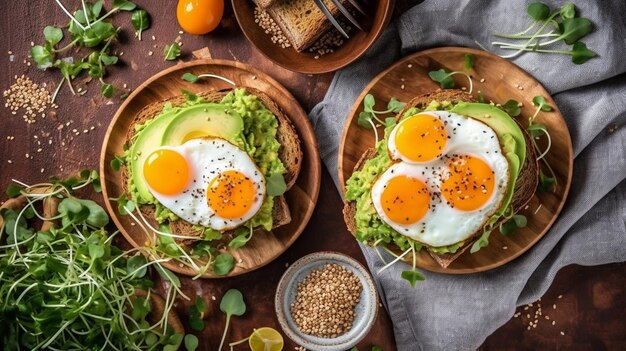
(192, 78)
(171, 51)
(536, 130)
(570, 29)
(67, 286)
(232, 304)
(369, 117)
(445, 80)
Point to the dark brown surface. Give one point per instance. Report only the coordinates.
(591, 312)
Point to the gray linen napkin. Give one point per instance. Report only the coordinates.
(458, 312)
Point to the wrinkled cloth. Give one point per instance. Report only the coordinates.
(457, 312)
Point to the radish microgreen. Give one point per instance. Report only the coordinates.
(568, 26)
(140, 21)
(69, 287)
(171, 51)
(445, 80)
(232, 304)
(510, 226)
(196, 314)
(512, 108)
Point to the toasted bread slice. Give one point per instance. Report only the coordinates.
(290, 153)
(524, 188)
(265, 3)
(301, 21)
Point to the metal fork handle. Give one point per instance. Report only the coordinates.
(347, 14)
(330, 17)
(357, 7)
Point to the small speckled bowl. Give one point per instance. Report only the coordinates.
(366, 310)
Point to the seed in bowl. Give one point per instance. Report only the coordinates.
(325, 301)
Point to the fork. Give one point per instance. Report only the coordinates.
(320, 4)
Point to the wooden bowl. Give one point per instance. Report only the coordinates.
(503, 80)
(301, 198)
(305, 62)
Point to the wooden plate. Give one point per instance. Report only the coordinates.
(305, 62)
(263, 248)
(503, 80)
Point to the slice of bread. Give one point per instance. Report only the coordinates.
(290, 153)
(524, 187)
(301, 21)
(265, 3)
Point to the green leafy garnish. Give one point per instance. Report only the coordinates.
(368, 118)
(412, 277)
(190, 77)
(107, 90)
(512, 108)
(276, 185)
(510, 226)
(223, 264)
(570, 29)
(232, 304)
(196, 313)
(140, 21)
(53, 35)
(171, 51)
(443, 77)
(468, 63)
(243, 236)
(14, 190)
(546, 183)
(191, 342)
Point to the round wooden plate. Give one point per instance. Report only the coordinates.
(305, 62)
(263, 248)
(503, 80)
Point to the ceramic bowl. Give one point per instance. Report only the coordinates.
(366, 309)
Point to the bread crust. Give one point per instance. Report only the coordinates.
(524, 187)
(290, 153)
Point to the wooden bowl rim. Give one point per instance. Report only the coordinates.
(330, 67)
(557, 111)
(301, 115)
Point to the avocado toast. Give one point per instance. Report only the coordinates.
(244, 117)
(365, 221)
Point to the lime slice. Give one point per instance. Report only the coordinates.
(266, 339)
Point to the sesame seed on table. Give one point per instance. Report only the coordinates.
(588, 315)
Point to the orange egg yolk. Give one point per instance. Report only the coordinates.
(231, 194)
(421, 138)
(166, 172)
(470, 183)
(405, 200)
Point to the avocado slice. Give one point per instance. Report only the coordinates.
(148, 139)
(510, 136)
(209, 119)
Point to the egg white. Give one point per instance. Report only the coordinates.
(444, 225)
(207, 158)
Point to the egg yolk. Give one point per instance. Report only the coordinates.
(199, 16)
(421, 138)
(470, 183)
(166, 172)
(231, 194)
(405, 200)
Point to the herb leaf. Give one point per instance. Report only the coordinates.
(364, 120)
(42, 56)
(171, 51)
(580, 53)
(512, 108)
(191, 342)
(232, 304)
(510, 226)
(124, 5)
(412, 276)
(468, 64)
(541, 102)
(140, 21)
(53, 35)
(546, 183)
(14, 190)
(538, 11)
(572, 29)
(443, 77)
(276, 185)
(107, 90)
(568, 11)
(190, 77)
(395, 106)
(223, 264)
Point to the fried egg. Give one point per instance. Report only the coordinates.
(448, 177)
(207, 181)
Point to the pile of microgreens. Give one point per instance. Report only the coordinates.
(547, 30)
(87, 29)
(68, 287)
(371, 119)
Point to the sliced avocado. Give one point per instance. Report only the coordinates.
(148, 139)
(510, 135)
(202, 120)
(498, 120)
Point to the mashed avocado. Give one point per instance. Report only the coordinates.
(257, 138)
